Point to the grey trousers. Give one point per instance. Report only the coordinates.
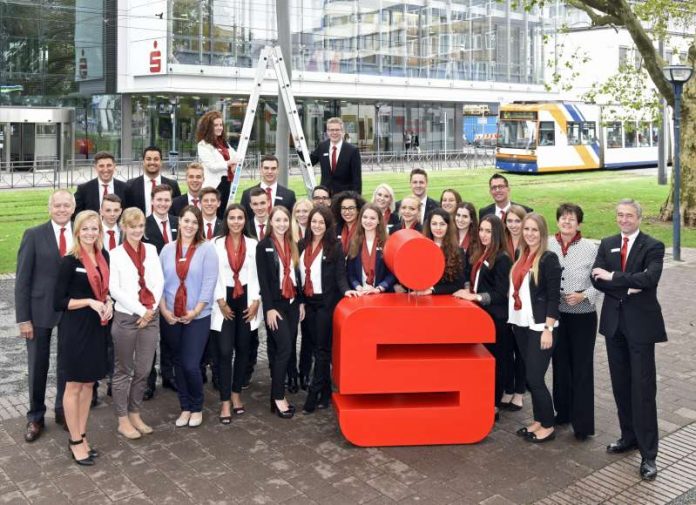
(134, 350)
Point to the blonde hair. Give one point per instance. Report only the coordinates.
(131, 216)
(80, 220)
(388, 189)
(419, 204)
(543, 241)
(293, 245)
(294, 225)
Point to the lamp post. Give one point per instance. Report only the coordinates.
(677, 75)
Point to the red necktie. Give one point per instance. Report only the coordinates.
(624, 254)
(269, 192)
(195, 202)
(333, 160)
(503, 215)
(209, 234)
(106, 189)
(62, 245)
(112, 239)
(262, 235)
(164, 232)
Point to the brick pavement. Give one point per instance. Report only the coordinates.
(263, 459)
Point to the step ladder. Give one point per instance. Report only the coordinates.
(275, 56)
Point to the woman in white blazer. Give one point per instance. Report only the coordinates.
(236, 312)
(216, 155)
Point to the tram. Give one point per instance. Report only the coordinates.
(554, 136)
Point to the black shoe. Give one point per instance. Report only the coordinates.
(88, 461)
(287, 414)
(169, 384)
(95, 401)
(293, 386)
(523, 432)
(311, 403)
(148, 394)
(561, 420)
(33, 430)
(621, 446)
(304, 382)
(93, 453)
(648, 469)
(108, 390)
(535, 440)
(60, 418)
(581, 437)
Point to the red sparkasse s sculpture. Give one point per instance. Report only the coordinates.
(412, 370)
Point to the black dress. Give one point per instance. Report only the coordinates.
(81, 336)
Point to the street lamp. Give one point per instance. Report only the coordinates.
(677, 75)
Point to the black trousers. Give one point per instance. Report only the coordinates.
(573, 371)
(233, 339)
(318, 317)
(633, 381)
(306, 351)
(166, 361)
(499, 349)
(253, 355)
(513, 373)
(536, 362)
(38, 359)
(279, 345)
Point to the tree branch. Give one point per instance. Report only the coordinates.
(597, 19)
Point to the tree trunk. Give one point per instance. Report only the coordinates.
(688, 162)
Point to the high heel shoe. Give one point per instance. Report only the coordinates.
(88, 461)
(287, 414)
(93, 453)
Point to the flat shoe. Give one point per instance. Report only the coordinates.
(142, 428)
(183, 420)
(522, 432)
(196, 420)
(130, 435)
(512, 407)
(535, 440)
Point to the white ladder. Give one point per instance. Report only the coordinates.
(275, 55)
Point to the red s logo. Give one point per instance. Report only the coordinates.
(155, 60)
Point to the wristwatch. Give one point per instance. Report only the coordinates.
(479, 298)
(550, 328)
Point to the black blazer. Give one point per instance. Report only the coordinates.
(495, 281)
(38, 262)
(383, 277)
(87, 195)
(135, 191)
(268, 271)
(250, 228)
(545, 291)
(430, 205)
(179, 203)
(333, 275)
(400, 226)
(348, 173)
(284, 196)
(447, 287)
(217, 226)
(392, 223)
(642, 312)
(153, 231)
(490, 209)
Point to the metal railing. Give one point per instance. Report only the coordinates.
(48, 173)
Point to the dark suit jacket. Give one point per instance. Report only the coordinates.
(333, 275)
(38, 262)
(348, 173)
(135, 191)
(400, 226)
(178, 203)
(641, 311)
(251, 228)
(268, 270)
(153, 231)
(383, 277)
(430, 205)
(545, 291)
(87, 195)
(216, 227)
(495, 281)
(448, 286)
(490, 209)
(284, 196)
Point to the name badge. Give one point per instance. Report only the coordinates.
(81, 270)
(269, 249)
(279, 197)
(182, 259)
(487, 264)
(326, 154)
(616, 249)
(173, 230)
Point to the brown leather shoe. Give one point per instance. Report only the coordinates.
(33, 432)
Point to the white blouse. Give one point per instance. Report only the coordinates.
(123, 279)
(315, 272)
(525, 316)
(214, 165)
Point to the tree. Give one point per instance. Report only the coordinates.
(647, 21)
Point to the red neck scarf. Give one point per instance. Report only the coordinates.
(369, 261)
(387, 216)
(287, 290)
(466, 241)
(222, 148)
(411, 226)
(145, 296)
(347, 235)
(97, 275)
(309, 257)
(182, 268)
(477, 266)
(236, 261)
(519, 271)
(565, 247)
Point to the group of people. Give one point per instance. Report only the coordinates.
(128, 266)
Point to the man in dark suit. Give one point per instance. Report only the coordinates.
(90, 194)
(627, 269)
(194, 180)
(500, 191)
(341, 166)
(38, 260)
(278, 194)
(418, 180)
(139, 190)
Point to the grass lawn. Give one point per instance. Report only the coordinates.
(596, 192)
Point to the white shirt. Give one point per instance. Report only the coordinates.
(191, 198)
(109, 189)
(338, 151)
(68, 234)
(213, 162)
(274, 191)
(166, 218)
(117, 235)
(631, 241)
(525, 316)
(123, 279)
(499, 211)
(258, 228)
(314, 272)
(205, 227)
(147, 185)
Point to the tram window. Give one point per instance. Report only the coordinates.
(589, 134)
(630, 135)
(614, 136)
(547, 134)
(644, 135)
(573, 133)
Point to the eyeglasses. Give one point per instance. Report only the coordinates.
(353, 207)
(498, 187)
(321, 198)
(334, 130)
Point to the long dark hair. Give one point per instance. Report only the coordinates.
(336, 206)
(199, 237)
(359, 237)
(206, 131)
(450, 247)
(328, 241)
(497, 240)
(225, 228)
(473, 227)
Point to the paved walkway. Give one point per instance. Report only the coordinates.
(263, 459)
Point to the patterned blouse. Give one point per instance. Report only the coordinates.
(576, 267)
